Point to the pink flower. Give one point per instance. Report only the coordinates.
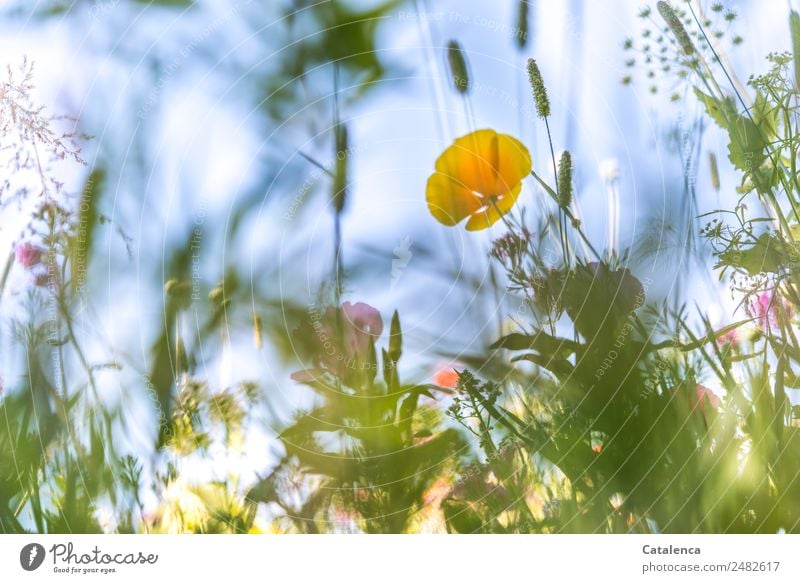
(437, 492)
(342, 337)
(446, 375)
(705, 397)
(29, 255)
(729, 337)
(307, 375)
(769, 309)
(362, 324)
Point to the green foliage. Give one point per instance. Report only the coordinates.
(373, 445)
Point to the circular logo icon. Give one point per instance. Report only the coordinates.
(31, 556)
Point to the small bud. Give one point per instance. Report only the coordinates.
(180, 291)
(459, 70)
(339, 195)
(257, 334)
(565, 180)
(676, 26)
(217, 295)
(712, 163)
(522, 23)
(539, 92)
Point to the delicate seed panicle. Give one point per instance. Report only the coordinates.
(565, 179)
(459, 70)
(676, 26)
(539, 92)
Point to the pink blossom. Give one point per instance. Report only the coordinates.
(29, 255)
(362, 325)
(769, 309)
(342, 337)
(307, 375)
(729, 337)
(437, 492)
(705, 397)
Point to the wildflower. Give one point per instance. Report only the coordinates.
(363, 324)
(343, 516)
(308, 375)
(731, 337)
(509, 248)
(539, 91)
(768, 309)
(609, 170)
(29, 255)
(479, 176)
(676, 26)
(437, 492)
(705, 397)
(447, 376)
(617, 499)
(342, 337)
(597, 439)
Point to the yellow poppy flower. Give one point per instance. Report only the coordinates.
(479, 176)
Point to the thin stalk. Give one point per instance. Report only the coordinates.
(562, 233)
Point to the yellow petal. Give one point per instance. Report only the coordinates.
(514, 162)
(492, 213)
(448, 201)
(472, 160)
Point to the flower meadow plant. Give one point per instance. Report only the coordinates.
(265, 395)
(480, 177)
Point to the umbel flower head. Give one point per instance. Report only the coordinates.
(479, 176)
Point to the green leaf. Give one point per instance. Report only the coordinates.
(395, 338)
(461, 517)
(541, 342)
(599, 300)
(723, 112)
(748, 137)
(766, 255)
